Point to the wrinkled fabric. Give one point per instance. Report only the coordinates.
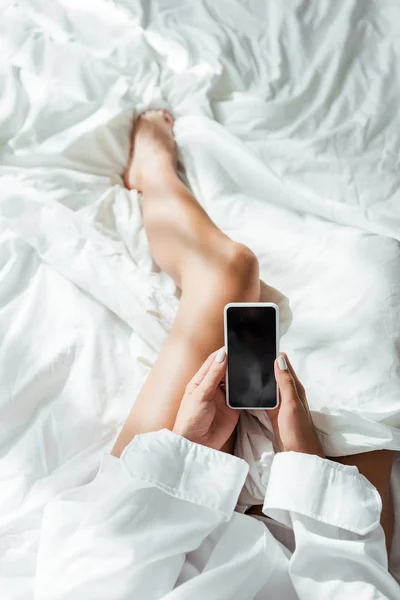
(288, 126)
(160, 523)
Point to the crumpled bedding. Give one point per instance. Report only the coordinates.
(287, 125)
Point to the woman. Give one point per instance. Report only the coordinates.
(158, 521)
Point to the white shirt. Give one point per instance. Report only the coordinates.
(160, 522)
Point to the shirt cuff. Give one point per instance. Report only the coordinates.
(186, 470)
(318, 488)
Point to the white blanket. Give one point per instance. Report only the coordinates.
(288, 128)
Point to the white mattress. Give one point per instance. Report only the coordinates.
(288, 126)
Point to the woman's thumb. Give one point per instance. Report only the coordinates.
(285, 379)
(215, 374)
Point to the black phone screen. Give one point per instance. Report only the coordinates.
(251, 347)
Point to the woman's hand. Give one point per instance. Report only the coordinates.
(291, 421)
(204, 416)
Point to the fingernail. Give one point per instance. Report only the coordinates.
(282, 363)
(219, 357)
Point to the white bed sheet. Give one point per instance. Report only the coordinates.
(288, 126)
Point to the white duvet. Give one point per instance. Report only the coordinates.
(288, 126)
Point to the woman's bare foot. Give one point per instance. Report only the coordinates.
(153, 148)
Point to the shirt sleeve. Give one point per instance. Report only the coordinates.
(126, 534)
(335, 514)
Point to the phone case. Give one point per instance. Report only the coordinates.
(269, 304)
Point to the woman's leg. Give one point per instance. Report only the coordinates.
(210, 268)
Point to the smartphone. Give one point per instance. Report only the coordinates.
(251, 342)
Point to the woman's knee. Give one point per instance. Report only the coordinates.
(242, 271)
(231, 271)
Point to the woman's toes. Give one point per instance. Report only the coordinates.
(168, 117)
(155, 114)
(148, 114)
